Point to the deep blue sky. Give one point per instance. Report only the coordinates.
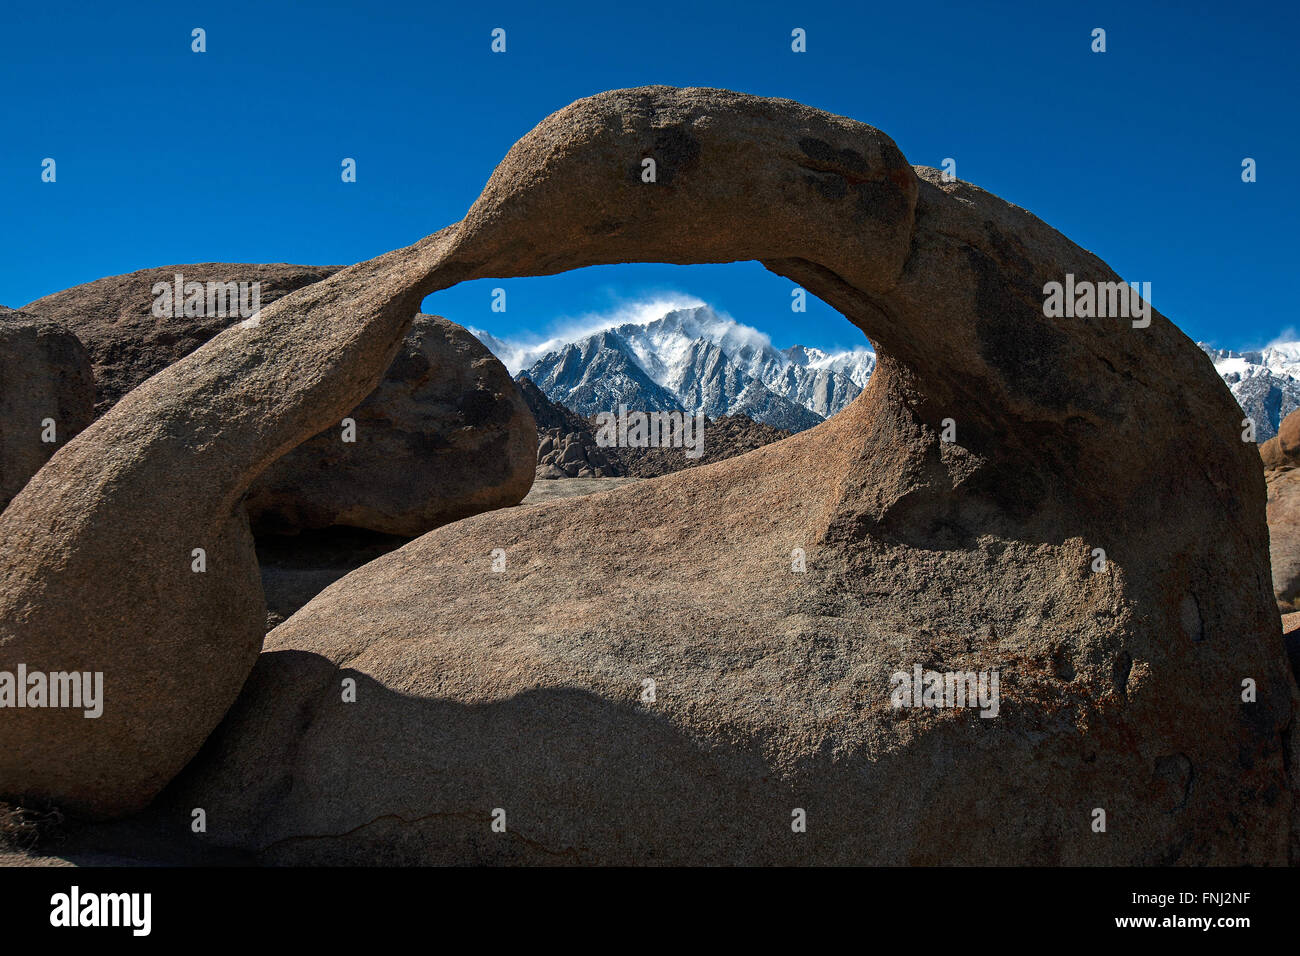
(167, 156)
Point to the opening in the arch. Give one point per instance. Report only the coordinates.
(638, 370)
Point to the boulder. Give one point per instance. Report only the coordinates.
(47, 391)
(129, 554)
(686, 669)
(133, 332)
(566, 448)
(1282, 451)
(446, 435)
(1284, 536)
(1281, 455)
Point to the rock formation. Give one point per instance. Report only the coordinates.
(1282, 451)
(566, 447)
(129, 553)
(444, 436)
(47, 391)
(1281, 456)
(950, 519)
(128, 340)
(724, 437)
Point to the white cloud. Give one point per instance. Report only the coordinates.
(520, 351)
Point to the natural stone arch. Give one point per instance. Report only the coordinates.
(1067, 440)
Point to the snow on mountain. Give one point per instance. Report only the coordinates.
(1265, 382)
(824, 382)
(697, 359)
(708, 381)
(599, 374)
(689, 357)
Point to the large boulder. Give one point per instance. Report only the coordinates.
(47, 395)
(129, 554)
(444, 436)
(135, 325)
(1281, 457)
(1282, 451)
(647, 675)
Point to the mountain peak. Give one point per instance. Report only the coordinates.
(694, 358)
(1265, 382)
(700, 360)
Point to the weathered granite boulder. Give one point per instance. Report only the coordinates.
(1281, 456)
(702, 667)
(135, 325)
(446, 435)
(953, 519)
(1282, 451)
(129, 554)
(47, 391)
(441, 438)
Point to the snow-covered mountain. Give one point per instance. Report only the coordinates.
(692, 359)
(1266, 383)
(598, 374)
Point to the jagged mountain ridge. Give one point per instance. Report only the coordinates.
(598, 374)
(1265, 382)
(694, 360)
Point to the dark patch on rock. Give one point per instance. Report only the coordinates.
(45, 376)
(1017, 340)
(849, 163)
(675, 150)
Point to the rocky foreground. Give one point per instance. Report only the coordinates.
(674, 670)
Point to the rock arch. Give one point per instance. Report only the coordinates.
(1120, 689)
